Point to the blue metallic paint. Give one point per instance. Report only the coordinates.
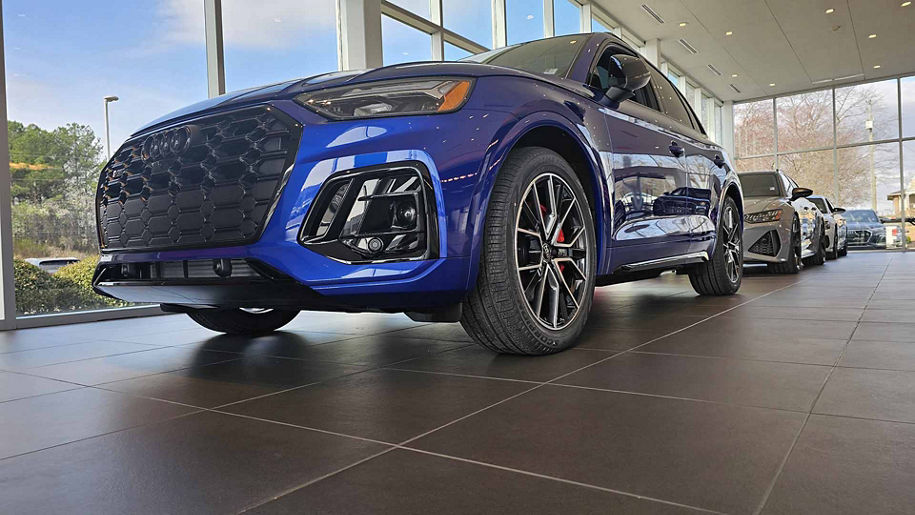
(463, 152)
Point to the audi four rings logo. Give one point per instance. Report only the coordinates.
(170, 143)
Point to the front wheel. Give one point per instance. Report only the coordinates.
(245, 321)
(834, 254)
(722, 274)
(819, 257)
(537, 264)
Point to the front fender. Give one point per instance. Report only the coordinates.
(594, 145)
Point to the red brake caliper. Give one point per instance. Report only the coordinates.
(560, 238)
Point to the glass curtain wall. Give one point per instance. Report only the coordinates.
(57, 78)
(848, 143)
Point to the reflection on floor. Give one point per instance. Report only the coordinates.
(797, 395)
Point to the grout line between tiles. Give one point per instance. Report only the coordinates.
(781, 467)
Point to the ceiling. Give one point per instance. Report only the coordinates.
(793, 44)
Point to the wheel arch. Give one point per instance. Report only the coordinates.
(555, 132)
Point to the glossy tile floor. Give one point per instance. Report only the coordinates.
(797, 395)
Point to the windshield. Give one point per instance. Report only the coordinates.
(861, 215)
(553, 56)
(819, 203)
(760, 185)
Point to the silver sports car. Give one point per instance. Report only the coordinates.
(836, 230)
(781, 227)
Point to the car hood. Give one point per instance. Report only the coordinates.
(756, 204)
(291, 88)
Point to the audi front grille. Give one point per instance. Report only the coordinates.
(207, 182)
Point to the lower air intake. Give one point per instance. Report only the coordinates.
(374, 214)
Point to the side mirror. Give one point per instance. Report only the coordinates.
(797, 193)
(839, 210)
(627, 75)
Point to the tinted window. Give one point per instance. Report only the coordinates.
(600, 79)
(760, 185)
(671, 105)
(820, 204)
(552, 56)
(861, 215)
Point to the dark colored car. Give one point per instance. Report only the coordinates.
(497, 191)
(865, 230)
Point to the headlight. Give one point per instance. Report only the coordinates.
(763, 216)
(389, 98)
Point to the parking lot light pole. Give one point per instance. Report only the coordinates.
(108, 100)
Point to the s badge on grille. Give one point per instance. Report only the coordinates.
(171, 143)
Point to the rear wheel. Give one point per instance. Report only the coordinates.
(538, 259)
(249, 321)
(722, 274)
(793, 265)
(844, 250)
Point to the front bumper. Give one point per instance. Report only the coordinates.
(867, 238)
(766, 242)
(316, 281)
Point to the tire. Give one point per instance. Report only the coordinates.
(835, 246)
(240, 321)
(844, 250)
(722, 274)
(820, 257)
(793, 265)
(519, 305)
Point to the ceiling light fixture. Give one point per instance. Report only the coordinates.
(683, 24)
(733, 75)
(651, 12)
(876, 66)
(771, 84)
(830, 10)
(689, 48)
(905, 4)
(729, 33)
(871, 36)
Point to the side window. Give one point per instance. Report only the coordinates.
(671, 105)
(600, 79)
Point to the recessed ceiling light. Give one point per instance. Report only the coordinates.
(905, 4)
(729, 33)
(771, 84)
(871, 36)
(733, 75)
(876, 66)
(683, 24)
(830, 10)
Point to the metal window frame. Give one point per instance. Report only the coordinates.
(434, 27)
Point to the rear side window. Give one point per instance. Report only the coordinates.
(671, 105)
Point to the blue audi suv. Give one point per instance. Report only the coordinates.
(497, 191)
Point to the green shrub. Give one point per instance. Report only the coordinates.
(70, 289)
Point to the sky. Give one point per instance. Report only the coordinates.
(61, 60)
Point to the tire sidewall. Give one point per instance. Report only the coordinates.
(538, 163)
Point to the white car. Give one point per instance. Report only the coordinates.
(836, 230)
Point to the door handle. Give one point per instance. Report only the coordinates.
(675, 149)
(719, 161)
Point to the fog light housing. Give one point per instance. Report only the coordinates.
(384, 213)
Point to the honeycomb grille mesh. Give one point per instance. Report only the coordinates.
(213, 186)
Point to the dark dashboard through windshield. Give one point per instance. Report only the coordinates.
(760, 185)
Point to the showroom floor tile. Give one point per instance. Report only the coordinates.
(794, 396)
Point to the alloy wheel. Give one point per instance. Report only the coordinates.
(551, 253)
(732, 247)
